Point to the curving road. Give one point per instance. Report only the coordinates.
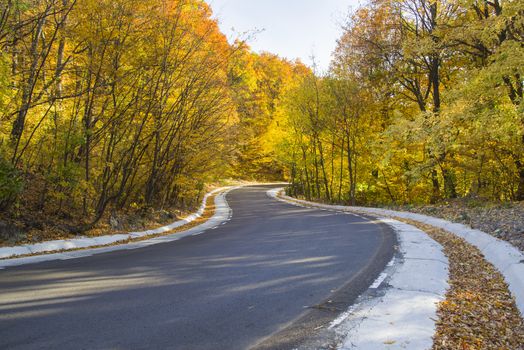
(266, 279)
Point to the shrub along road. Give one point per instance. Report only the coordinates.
(267, 278)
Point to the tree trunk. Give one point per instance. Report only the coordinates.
(435, 195)
(519, 196)
(449, 184)
(323, 167)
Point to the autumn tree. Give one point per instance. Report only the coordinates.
(428, 95)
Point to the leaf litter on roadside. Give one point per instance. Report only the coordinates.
(479, 311)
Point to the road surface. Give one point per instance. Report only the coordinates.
(266, 279)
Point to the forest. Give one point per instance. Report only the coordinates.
(423, 103)
(115, 106)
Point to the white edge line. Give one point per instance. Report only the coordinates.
(379, 280)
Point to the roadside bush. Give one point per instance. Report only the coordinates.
(11, 184)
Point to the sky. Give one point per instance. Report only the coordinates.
(289, 28)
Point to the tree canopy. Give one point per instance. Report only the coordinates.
(423, 102)
(113, 104)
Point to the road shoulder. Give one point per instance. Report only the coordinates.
(496, 261)
(400, 305)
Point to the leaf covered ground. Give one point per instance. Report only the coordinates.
(209, 211)
(35, 227)
(479, 311)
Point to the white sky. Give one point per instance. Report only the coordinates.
(291, 28)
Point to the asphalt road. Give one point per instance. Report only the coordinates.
(266, 279)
